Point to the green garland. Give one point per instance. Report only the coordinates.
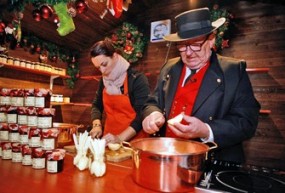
(130, 42)
(221, 34)
(37, 45)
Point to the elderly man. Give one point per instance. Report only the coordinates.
(212, 94)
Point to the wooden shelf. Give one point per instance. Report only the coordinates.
(71, 104)
(34, 71)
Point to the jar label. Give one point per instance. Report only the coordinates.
(17, 101)
(38, 163)
(32, 121)
(22, 119)
(44, 122)
(48, 144)
(24, 139)
(11, 118)
(7, 154)
(27, 160)
(5, 100)
(17, 157)
(4, 135)
(14, 137)
(40, 102)
(35, 142)
(52, 166)
(3, 117)
(29, 101)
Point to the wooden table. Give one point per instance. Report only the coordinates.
(16, 178)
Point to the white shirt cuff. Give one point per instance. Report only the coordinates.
(211, 135)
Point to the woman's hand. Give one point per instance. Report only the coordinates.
(153, 122)
(96, 131)
(110, 138)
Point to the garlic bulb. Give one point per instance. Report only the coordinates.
(98, 166)
(81, 161)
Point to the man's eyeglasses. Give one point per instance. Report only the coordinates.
(195, 47)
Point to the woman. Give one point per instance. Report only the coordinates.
(121, 94)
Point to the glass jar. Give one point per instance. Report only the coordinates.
(3, 59)
(23, 63)
(34, 137)
(12, 114)
(32, 118)
(17, 97)
(55, 160)
(28, 64)
(16, 62)
(3, 114)
(16, 152)
(49, 138)
(5, 98)
(27, 155)
(6, 150)
(4, 132)
(24, 134)
(10, 60)
(22, 116)
(38, 158)
(29, 99)
(45, 117)
(42, 97)
(14, 135)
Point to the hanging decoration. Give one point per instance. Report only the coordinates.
(115, 7)
(222, 34)
(129, 41)
(66, 22)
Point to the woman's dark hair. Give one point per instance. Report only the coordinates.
(104, 47)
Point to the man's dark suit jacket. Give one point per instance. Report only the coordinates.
(225, 101)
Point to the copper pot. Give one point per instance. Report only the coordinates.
(168, 164)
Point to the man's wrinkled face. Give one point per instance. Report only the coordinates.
(196, 52)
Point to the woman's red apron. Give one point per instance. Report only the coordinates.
(119, 111)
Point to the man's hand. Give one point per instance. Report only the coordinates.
(153, 122)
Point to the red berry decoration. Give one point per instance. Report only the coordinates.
(129, 35)
(46, 11)
(36, 14)
(81, 6)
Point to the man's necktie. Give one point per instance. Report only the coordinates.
(193, 71)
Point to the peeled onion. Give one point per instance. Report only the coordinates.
(176, 119)
(114, 146)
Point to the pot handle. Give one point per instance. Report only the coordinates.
(214, 145)
(135, 154)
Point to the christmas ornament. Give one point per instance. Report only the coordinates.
(129, 41)
(81, 6)
(36, 14)
(66, 22)
(72, 12)
(46, 11)
(221, 32)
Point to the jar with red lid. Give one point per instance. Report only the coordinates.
(29, 98)
(3, 114)
(38, 158)
(17, 97)
(22, 116)
(16, 152)
(32, 117)
(45, 117)
(6, 150)
(24, 134)
(5, 98)
(34, 137)
(12, 114)
(27, 155)
(4, 132)
(42, 97)
(49, 138)
(55, 160)
(14, 135)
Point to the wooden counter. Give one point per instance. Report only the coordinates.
(16, 178)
